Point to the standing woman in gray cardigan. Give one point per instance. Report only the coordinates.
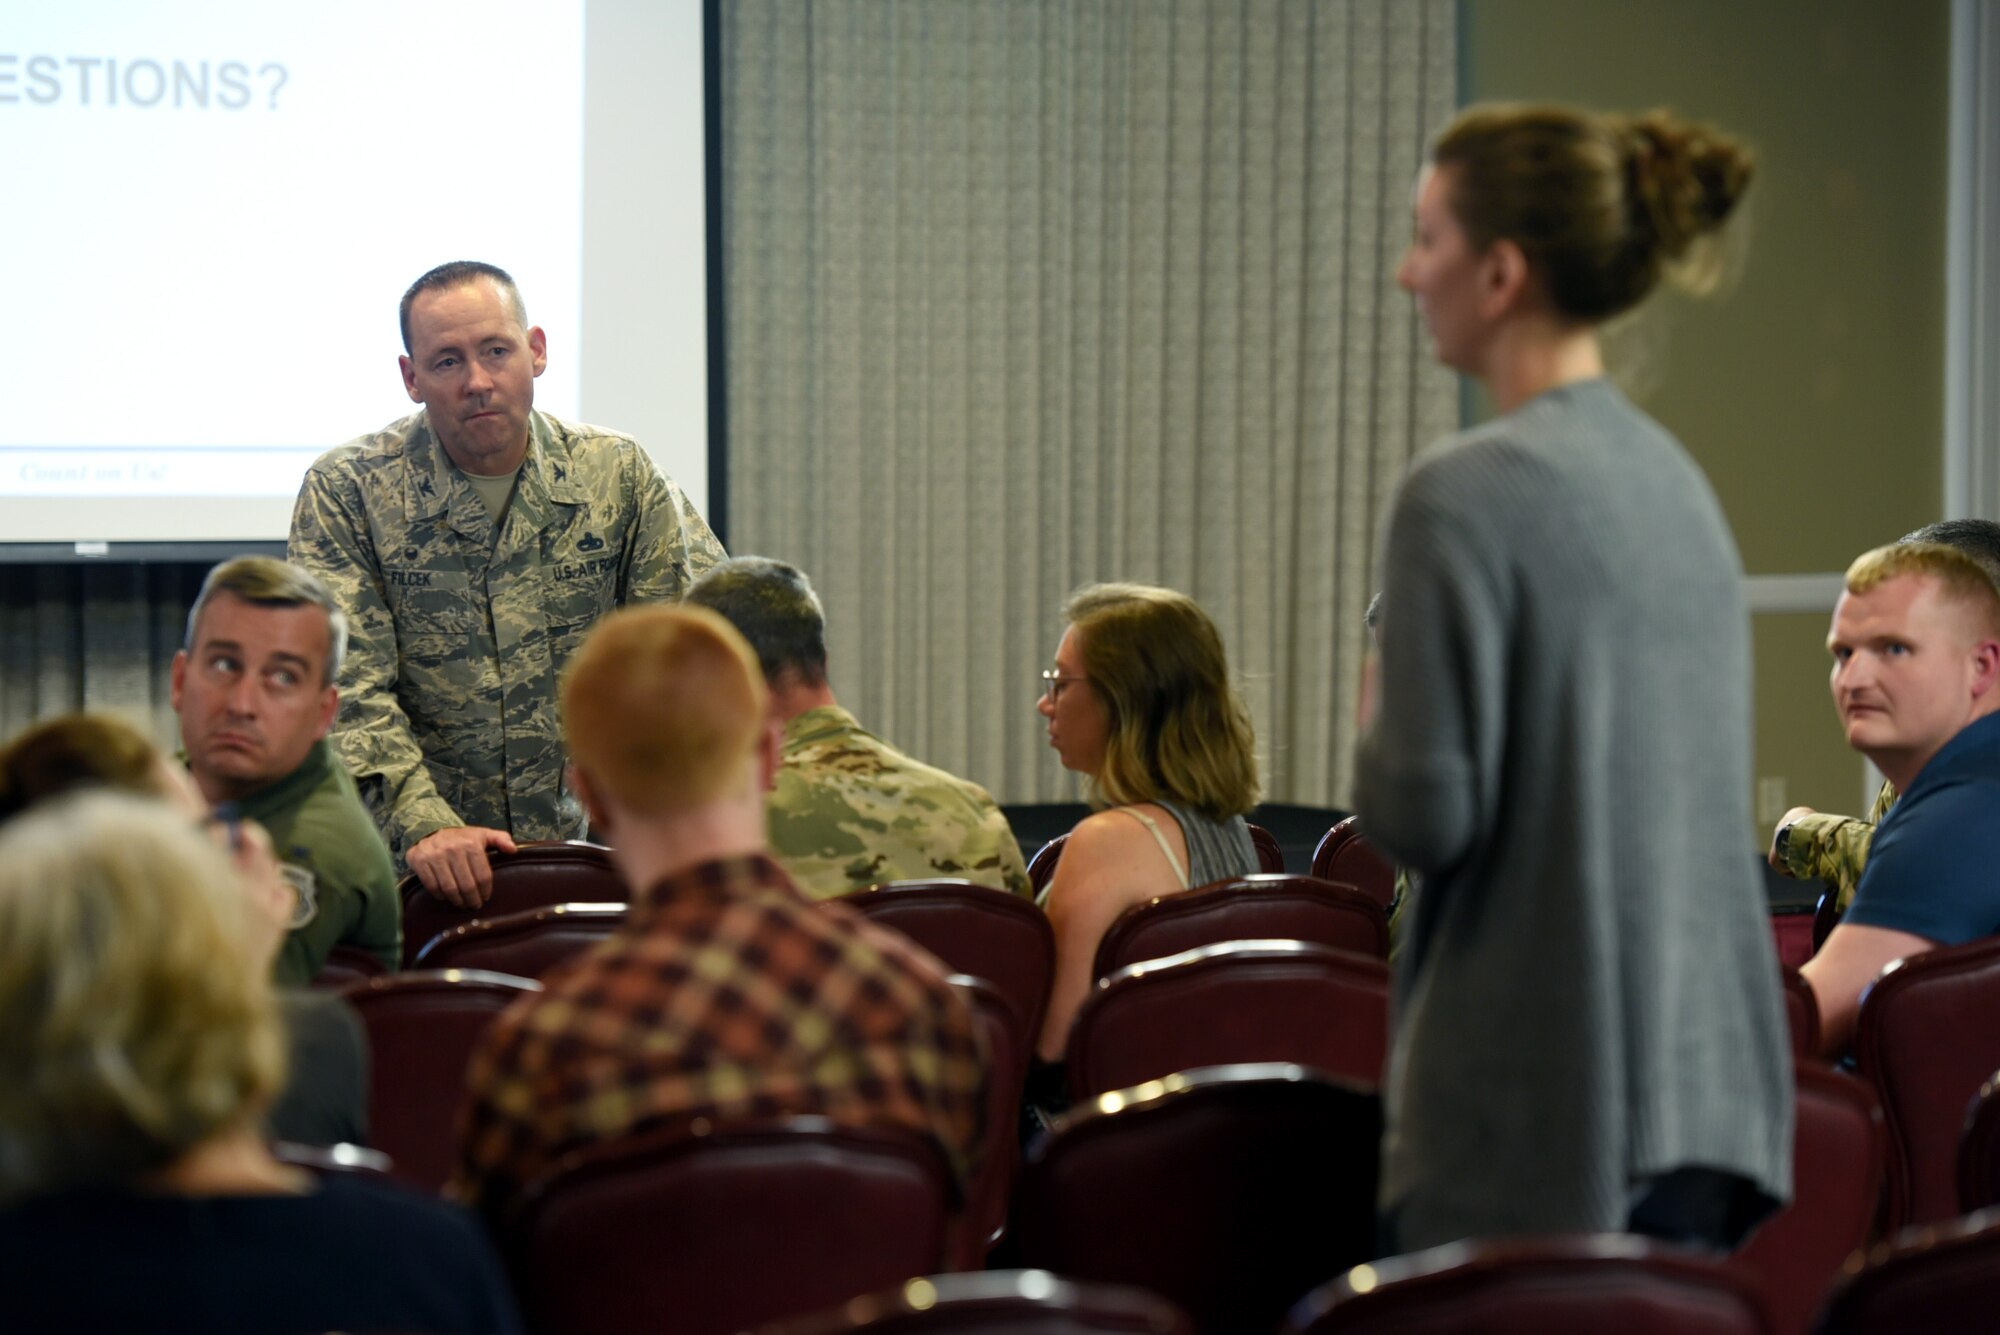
(1588, 1033)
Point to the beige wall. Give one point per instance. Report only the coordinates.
(1813, 391)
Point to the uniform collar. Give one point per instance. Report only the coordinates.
(436, 487)
(815, 724)
(1982, 734)
(285, 792)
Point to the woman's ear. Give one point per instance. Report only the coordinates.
(1503, 278)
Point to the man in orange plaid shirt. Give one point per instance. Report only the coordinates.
(727, 994)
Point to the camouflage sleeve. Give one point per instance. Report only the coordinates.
(674, 545)
(1014, 868)
(1834, 849)
(371, 735)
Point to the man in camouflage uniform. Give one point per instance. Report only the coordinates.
(1813, 845)
(472, 545)
(846, 809)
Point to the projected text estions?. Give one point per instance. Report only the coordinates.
(108, 81)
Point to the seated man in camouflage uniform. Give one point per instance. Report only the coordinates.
(849, 810)
(1810, 845)
(473, 544)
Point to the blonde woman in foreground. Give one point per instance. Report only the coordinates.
(142, 1045)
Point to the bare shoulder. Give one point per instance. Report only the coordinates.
(1113, 859)
(1112, 833)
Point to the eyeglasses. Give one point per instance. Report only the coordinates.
(1053, 682)
(225, 825)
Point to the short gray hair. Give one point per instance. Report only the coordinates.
(268, 582)
(773, 606)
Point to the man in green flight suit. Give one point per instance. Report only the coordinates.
(255, 689)
(847, 810)
(473, 544)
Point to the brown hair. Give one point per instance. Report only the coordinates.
(1961, 578)
(662, 707)
(71, 752)
(265, 581)
(1178, 730)
(1602, 206)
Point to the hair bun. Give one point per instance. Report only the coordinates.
(1687, 177)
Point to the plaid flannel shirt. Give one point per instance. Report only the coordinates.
(726, 995)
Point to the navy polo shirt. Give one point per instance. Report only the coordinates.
(1934, 868)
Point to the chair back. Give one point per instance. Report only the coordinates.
(537, 875)
(333, 1160)
(1585, 1284)
(1792, 934)
(1270, 853)
(1245, 908)
(1801, 1012)
(1940, 1277)
(1840, 1156)
(709, 1231)
(422, 1031)
(996, 1302)
(1229, 1003)
(1826, 917)
(975, 930)
(527, 944)
(1927, 1039)
(1042, 867)
(1229, 1191)
(1009, 1045)
(347, 964)
(1344, 854)
(1979, 1151)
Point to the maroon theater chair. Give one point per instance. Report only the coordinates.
(1801, 1013)
(537, 876)
(422, 1031)
(704, 1231)
(1826, 917)
(1233, 1002)
(527, 944)
(1008, 1045)
(1839, 1159)
(1927, 1039)
(1979, 1151)
(346, 965)
(1230, 1191)
(997, 1302)
(1792, 934)
(975, 930)
(1930, 1280)
(1247, 908)
(333, 1160)
(1587, 1284)
(1345, 855)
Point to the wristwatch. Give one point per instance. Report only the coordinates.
(1782, 844)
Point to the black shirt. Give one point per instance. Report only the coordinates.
(354, 1254)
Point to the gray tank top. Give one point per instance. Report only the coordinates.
(1217, 850)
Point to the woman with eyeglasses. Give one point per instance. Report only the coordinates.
(1140, 701)
(141, 1045)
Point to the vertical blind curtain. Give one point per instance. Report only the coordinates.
(1022, 295)
(92, 637)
